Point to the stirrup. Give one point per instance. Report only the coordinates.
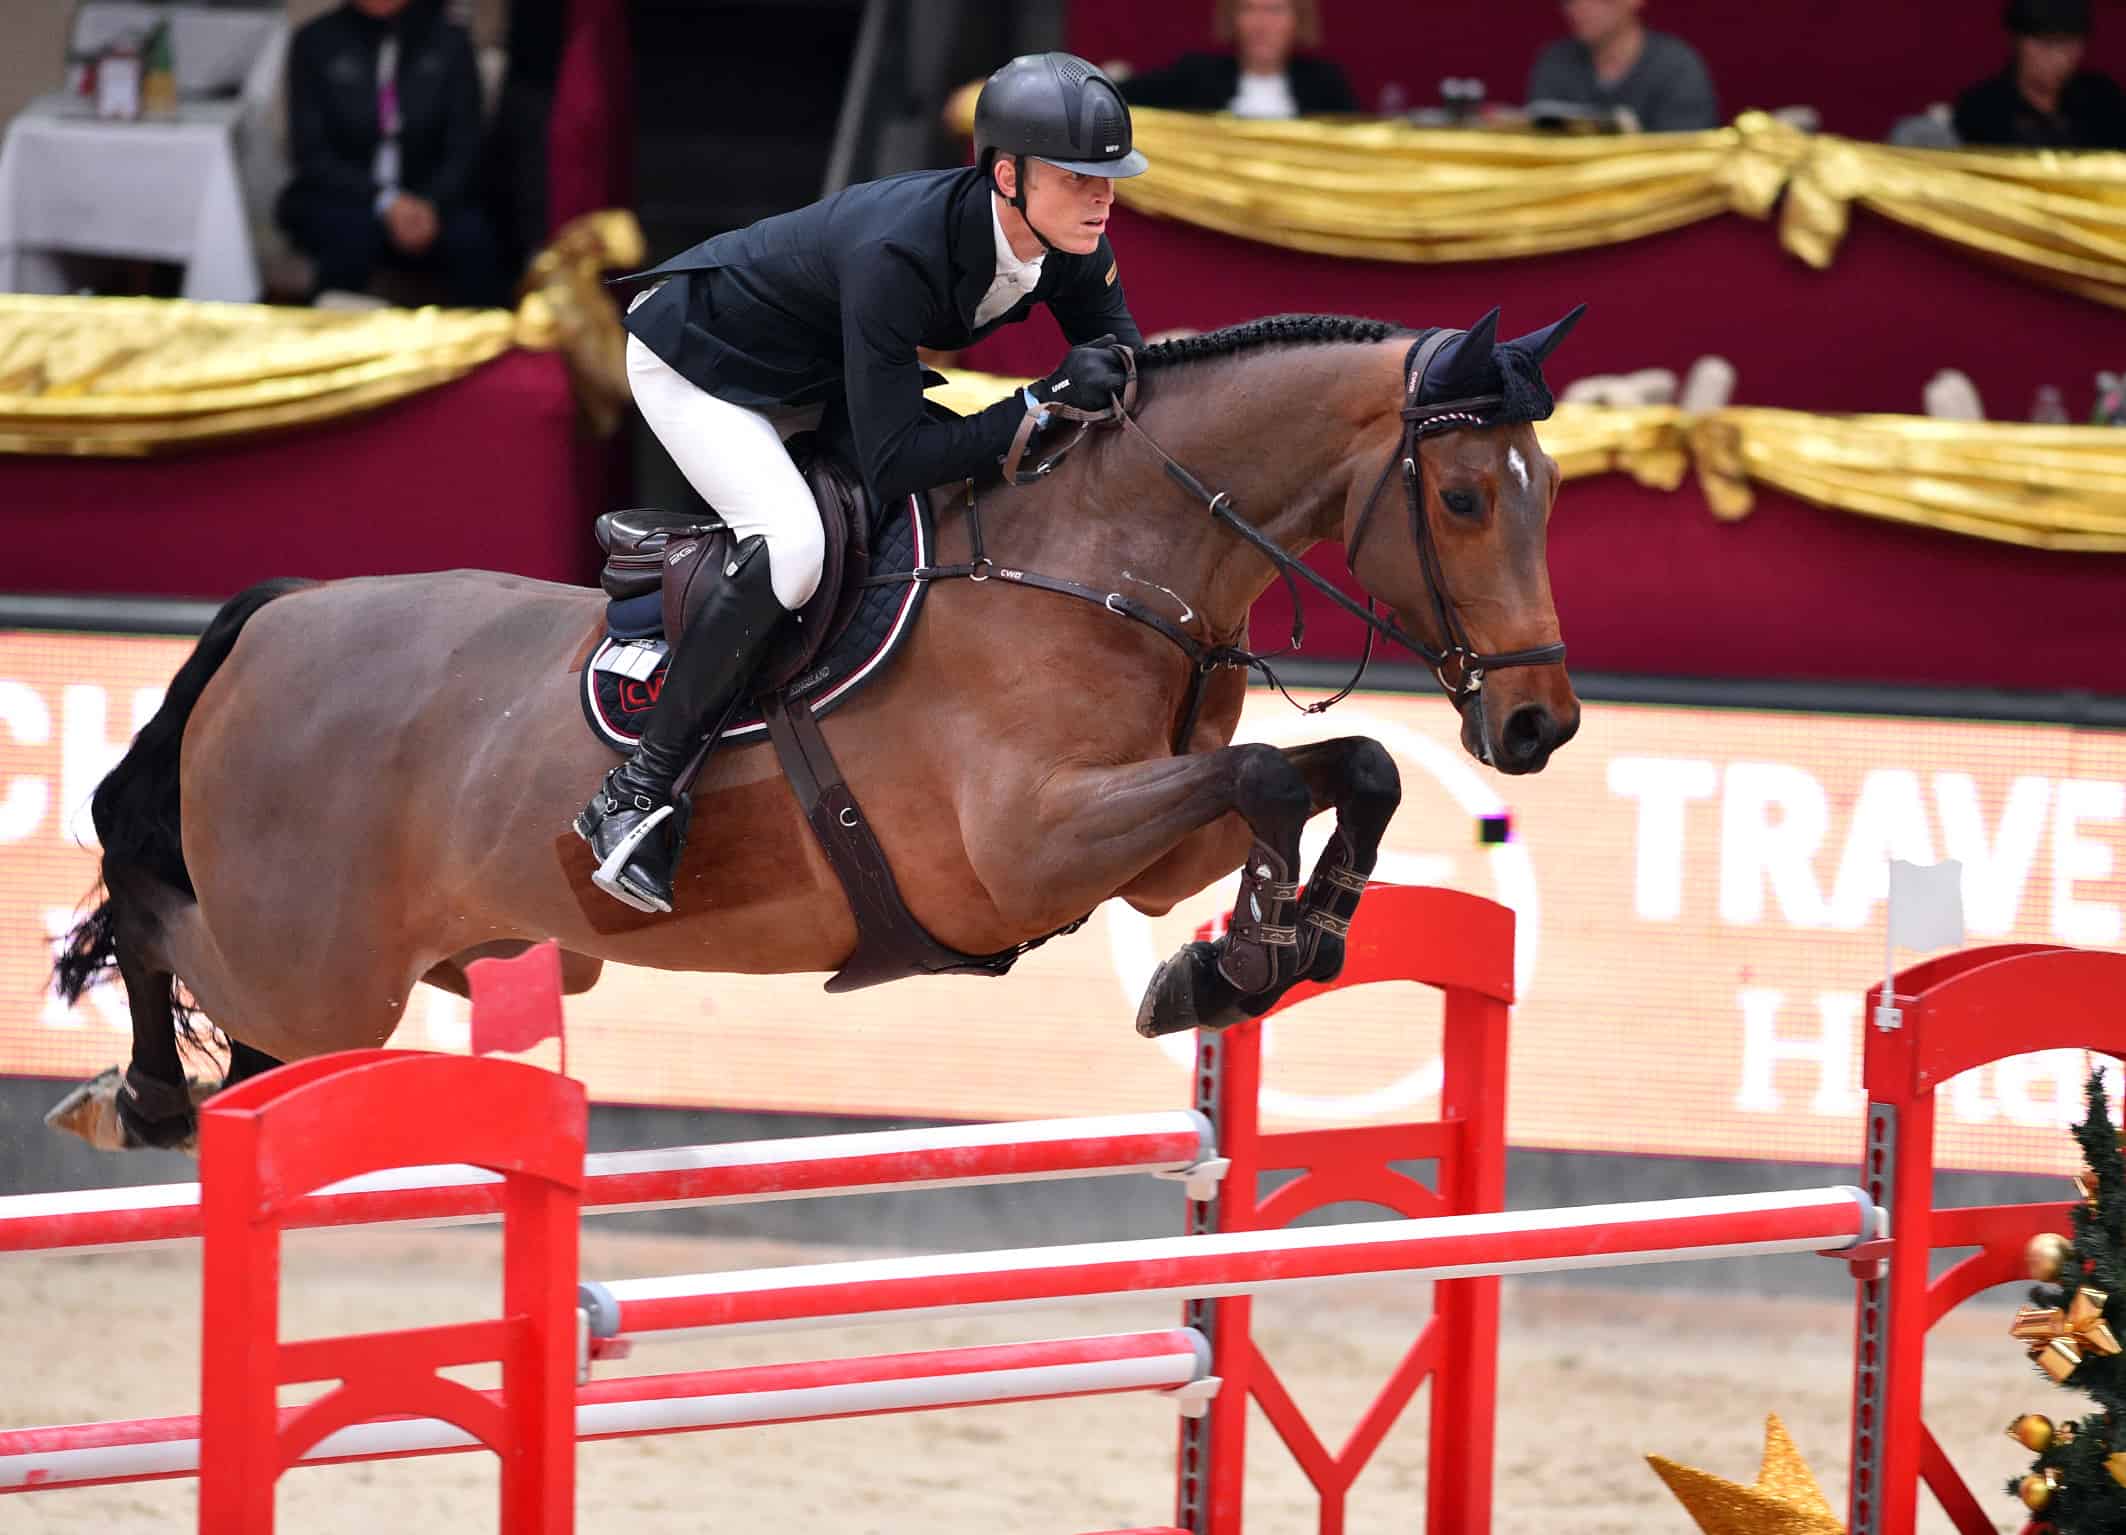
(611, 875)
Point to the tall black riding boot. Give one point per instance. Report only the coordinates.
(635, 823)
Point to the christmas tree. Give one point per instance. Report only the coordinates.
(2077, 1485)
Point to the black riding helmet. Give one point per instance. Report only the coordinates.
(1057, 108)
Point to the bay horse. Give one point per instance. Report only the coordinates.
(357, 786)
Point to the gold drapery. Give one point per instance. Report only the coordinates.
(127, 377)
(1390, 192)
(2059, 218)
(1386, 191)
(2043, 487)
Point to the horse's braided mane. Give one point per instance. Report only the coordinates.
(1274, 330)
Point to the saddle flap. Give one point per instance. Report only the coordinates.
(649, 550)
(635, 542)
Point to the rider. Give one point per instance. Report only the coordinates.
(757, 333)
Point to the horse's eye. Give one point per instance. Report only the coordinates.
(1462, 503)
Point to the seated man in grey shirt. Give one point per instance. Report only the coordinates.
(1612, 61)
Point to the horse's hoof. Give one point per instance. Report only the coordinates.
(1327, 962)
(109, 1118)
(91, 1112)
(1187, 992)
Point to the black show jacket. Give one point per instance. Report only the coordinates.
(828, 303)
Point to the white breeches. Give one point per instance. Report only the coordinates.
(735, 458)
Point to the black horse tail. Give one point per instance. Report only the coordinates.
(136, 809)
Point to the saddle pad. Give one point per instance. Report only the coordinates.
(624, 673)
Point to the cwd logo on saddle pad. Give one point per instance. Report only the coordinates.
(1435, 839)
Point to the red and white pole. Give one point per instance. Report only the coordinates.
(1238, 1263)
(1169, 1144)
(154, 1449)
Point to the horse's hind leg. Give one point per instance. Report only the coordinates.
(155, 1100)
(150, 1102)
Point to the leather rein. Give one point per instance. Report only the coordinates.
(1458, 666)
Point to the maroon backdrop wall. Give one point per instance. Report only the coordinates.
(492, 471)
(1863, 65)
(1864, 336)
(590, 140)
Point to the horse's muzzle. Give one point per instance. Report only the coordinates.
(1528, 737)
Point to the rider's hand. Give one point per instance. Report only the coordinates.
(1091, 375)
(412, 223)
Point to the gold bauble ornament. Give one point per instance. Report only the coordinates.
(1784, 1500)
(2036, 1489)
(2116, 1465)
(2033, 1431)
(2045, 1256)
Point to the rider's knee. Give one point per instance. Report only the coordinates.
(796, 554)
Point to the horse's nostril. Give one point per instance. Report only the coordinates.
(1527, 733)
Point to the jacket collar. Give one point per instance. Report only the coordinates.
(974, 247)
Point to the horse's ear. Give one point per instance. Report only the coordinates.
(1541, 343)
(1465, 365)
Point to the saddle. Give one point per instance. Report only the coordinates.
(653, 552)
(654, 561)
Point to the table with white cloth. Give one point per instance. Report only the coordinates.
(161, 188)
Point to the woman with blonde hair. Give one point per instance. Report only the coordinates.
(1263, 75)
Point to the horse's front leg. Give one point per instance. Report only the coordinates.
(1357, 776)
(1260, 957)
(1095, 831)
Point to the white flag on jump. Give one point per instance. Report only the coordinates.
(1926, 905)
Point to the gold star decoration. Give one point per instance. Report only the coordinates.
(1784, 1500)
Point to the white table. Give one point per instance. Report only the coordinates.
(159, 189)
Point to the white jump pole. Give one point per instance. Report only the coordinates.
(1176, 1144)
(1443, 1247)
(154, 1449)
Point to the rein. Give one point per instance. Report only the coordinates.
(1457, 665)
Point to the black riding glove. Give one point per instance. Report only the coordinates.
(1091, 376)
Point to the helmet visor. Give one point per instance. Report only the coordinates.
(1131, 164)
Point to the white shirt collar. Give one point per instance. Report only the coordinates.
(1022, 274)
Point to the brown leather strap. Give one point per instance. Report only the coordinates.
(890, 943)
(1020, 441)
(1114, 413)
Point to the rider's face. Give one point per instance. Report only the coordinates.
(1067, 206)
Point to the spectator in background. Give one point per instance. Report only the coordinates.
(2044, 99)
(384, 128)
(1613, 62)
(516, 143)
(1264, 76)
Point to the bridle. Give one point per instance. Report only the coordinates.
(1457, 665)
